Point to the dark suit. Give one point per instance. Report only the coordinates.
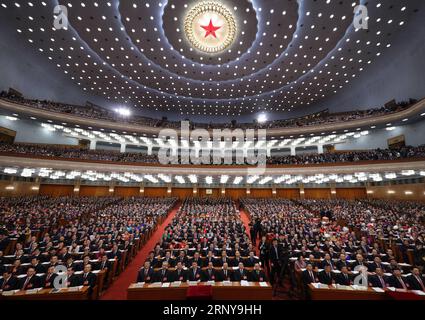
(198, 261)
(376, 282)
(279, 257)
(344, 280)
(194, 275)
(180, 275)
(416, 284)
(113, 255)
(89, 279)
(250, 262)
(20, 270)
(419, 256)
(373, 266)
(221, 261)
(40, 257)
(209, 275)
(325, 278)
(396, 283)
(171, 262)
(225, 275)
(27, 284)
(154, 262)
(102, 265)
(146, 275)
(11, 284)
(184, 261)
(163, 276)
(264, 253)
(339, 264)
(307, 278)
(78, 266)
(275, 254)
(74, 281)
(357, 263)
(39, 268)
(210, 259)
(239, 275)
(257, 276)
(328, 263)
(23, 258)
(47, 281)
(365, 249)
(235, 262)
(4, 243)
(64, 257)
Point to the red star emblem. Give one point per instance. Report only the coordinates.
(210, 29)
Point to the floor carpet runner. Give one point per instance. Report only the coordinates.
(118, 289)
(246, 220)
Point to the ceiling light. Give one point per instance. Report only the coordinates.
(262, 118)
(224, 179)
(390, 176)
(10, 170)
(123, 112)
(408, 172)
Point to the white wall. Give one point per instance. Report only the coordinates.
(33, 132)
(107, 146)
(414, 134)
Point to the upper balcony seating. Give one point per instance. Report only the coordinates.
(99, 113)
(77, 153)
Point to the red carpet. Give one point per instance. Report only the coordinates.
(118, 289)
(245, 219)
(281, 293)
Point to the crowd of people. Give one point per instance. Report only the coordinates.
(82, 111)
(95, 112)
(70, 152)
(85, 235)
(327, 118)
(206, 241)
(287, 242)
(407, 152)
(330, 241)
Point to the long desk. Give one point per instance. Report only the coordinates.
(220, 291)
(331, 293)
(47, 294)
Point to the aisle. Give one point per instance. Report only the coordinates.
(279, 293)
(246, 220)
(118, 289)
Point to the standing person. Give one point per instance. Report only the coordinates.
(263, 247)
(252, 233)
(285, 248)
(257, 229)
(275, 256)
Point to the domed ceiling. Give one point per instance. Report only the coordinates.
(213, 57)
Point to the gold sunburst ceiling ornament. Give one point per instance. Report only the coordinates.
(210, 27)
